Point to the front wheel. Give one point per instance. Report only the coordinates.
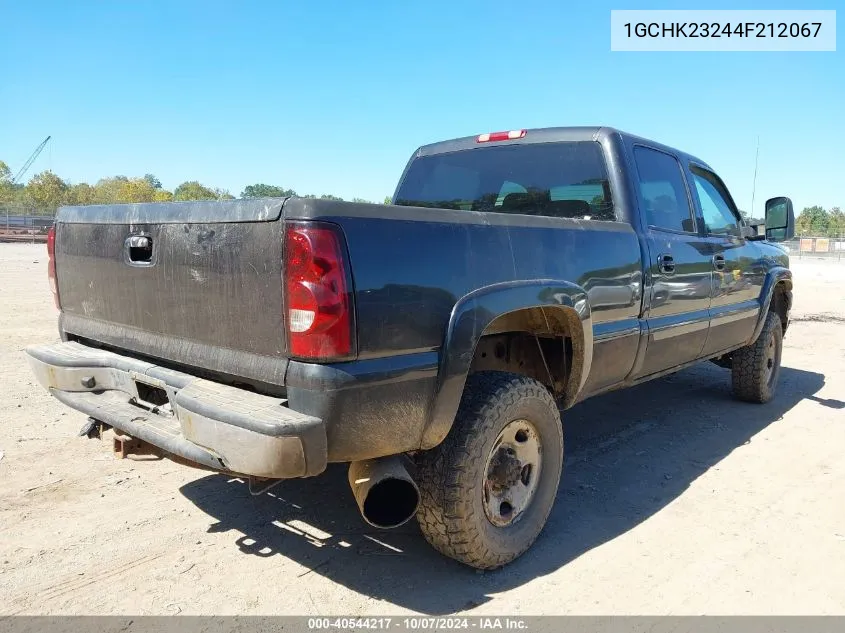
(755, 368)
(487, 489)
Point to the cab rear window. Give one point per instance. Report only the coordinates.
(566, 180)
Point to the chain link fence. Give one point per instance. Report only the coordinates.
(25, 223)
(827, 247)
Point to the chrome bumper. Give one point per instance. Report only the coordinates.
(215, 425)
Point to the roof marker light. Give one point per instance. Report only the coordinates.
(500, 136)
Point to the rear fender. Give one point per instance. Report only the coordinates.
(565, 306)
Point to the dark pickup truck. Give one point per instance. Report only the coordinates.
(431, 343)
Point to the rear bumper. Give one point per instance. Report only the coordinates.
(215, 425)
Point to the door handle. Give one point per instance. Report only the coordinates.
(719, 262)
(666, 264)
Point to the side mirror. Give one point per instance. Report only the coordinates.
(780, 219)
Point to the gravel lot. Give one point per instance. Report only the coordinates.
(675, 500)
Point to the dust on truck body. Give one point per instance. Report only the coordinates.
(431, 343)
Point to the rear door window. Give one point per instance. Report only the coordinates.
(663, 196)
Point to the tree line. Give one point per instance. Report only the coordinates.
(816, 221)
(46, 191)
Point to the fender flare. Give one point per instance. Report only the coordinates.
(774, 276)
(474, 313)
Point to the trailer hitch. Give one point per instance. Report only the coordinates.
(125, 445)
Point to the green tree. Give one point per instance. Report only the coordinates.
(223, 194)
(193, 190)
(107, 190)
(362, 200)
(7, 191)
(154, 182)
(812, 221)
(261, 190)
(388, 200)
(135, 190)
(80, 194)
(836, 226)
(328, 196)
(162, 195)
(47, 190)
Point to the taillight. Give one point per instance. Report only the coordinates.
(319, 314)
(501, 136)
(51, 264)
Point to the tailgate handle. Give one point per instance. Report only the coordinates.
(139, 250)
(139, 241)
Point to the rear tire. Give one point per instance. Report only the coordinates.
(486, 491)
(756, 367)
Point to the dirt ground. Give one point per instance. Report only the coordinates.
(675, 499)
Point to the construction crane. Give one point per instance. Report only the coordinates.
(30, 160)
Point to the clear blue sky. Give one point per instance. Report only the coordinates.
(332, 97)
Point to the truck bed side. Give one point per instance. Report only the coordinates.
(437, 257)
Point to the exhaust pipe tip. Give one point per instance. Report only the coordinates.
(386, 494)
(391, 503)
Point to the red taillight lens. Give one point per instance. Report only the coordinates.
(51, 242)
(319, 315)
(51, 264)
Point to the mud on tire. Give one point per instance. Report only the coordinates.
(756, 367)
(452, 476)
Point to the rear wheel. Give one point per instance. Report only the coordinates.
(755, 368)
(487, 489)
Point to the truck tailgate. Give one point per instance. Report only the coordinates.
(193, 282)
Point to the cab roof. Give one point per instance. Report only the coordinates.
(553, 135)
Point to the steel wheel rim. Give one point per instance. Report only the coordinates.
(512, 473)
(771, 359)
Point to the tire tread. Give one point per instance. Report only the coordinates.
(748, 376)
(445, 515)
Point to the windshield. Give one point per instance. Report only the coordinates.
(567, 179)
